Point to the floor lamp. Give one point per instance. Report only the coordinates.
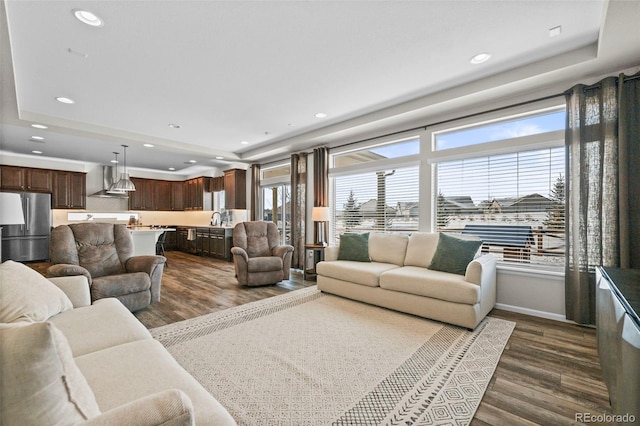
(320, 215)
(10, 212)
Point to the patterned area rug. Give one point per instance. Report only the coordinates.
(311, 358)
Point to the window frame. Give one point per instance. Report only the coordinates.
(547, 140)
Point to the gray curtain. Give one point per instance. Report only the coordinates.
(254, 213)
(602, 137)
(321, 184)
(298, 208)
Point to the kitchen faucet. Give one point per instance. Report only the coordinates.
(214, 222)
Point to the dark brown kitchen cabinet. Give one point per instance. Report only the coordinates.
(14, 178)
(69, 190)
(142, 197)
(235, 189)
(162, 195)
(177, 196)
(195, 195)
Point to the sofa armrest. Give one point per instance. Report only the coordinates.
(168, 408)
(331, 253)
(76, 288)
(482, 271)
(67, 270)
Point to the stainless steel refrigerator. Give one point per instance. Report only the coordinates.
(30, 241)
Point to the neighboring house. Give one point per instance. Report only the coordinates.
(460, 205)
(370, 209)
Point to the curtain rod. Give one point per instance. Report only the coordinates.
(599, 83)
(475, 114)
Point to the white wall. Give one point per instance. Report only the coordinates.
(532, 293)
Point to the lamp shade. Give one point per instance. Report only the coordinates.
(320, 214)
(11, 209)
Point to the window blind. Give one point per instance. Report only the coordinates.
(382, 200)
(514, 202)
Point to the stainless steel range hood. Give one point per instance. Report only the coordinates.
(107, 182)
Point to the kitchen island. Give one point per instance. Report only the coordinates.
(145, 239)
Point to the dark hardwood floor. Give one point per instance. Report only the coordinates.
(548, 373)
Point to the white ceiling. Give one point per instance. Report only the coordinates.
(258, 71)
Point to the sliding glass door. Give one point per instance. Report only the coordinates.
(276, 208)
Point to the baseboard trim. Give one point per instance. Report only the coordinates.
(533, 312)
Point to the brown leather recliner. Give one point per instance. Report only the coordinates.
(258, 257)
(102, 252)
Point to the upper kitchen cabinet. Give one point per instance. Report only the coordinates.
(142, 197)
(69, 190)
(26, 179)
(235, 189)
(196, 196)
(177, 196)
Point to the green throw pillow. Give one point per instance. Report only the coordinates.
(354, 247)
(453, 254)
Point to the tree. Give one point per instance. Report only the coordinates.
(351, 213)
(442, 216)
(555, 216)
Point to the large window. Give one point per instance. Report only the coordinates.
(375, 189)
(514, 199)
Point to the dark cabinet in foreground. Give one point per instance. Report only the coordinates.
(205, 241)
(618, 328)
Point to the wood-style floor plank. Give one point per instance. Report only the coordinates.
(548, 372)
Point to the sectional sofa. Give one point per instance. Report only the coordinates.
(395, 274)
(67, 361)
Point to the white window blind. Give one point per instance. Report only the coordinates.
(513, 202)
(382, 200)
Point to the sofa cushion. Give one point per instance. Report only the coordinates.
(91, 328)
(354, 247)
(420, 249)
(433, 284)
(355, 272)
(134, 370)
(453, 254)
(40, 383)
(388, 247)
(27, 296)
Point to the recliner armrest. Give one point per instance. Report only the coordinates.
(171, 407)
(238, 251)
(281, 251)
(68, 270)
(144, 263)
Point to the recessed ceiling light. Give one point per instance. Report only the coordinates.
(37, 138)
(172, 168)
(174, 126)
(37, 152)
(320, 115)
(64, 100)
(244, 143)
(114, 161)
(555, 31)
(87, 17)
(480, 58)
(192, 161)
(39, 126)
(219, 158)
(148, 145)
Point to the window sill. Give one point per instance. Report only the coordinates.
(531, 271)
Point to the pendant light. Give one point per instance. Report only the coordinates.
(124, 184)
(112, 188)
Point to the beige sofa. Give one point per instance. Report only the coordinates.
(398, 278)
(67, 361)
